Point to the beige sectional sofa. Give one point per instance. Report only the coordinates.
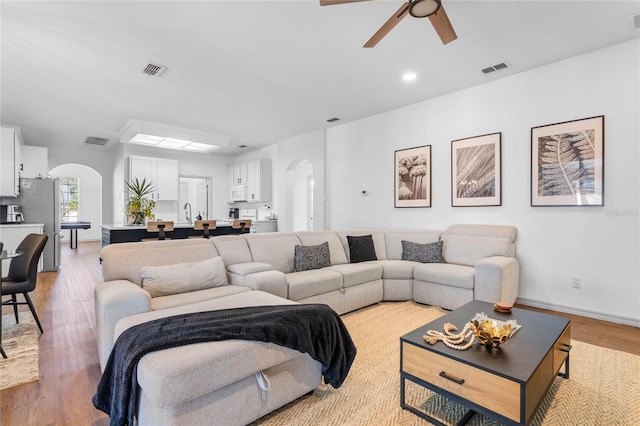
(206, 383)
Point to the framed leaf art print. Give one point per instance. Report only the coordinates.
(567, 163)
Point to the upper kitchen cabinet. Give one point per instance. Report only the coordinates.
(238, 174)
(259, 180)
(163, 173)
(10, 162)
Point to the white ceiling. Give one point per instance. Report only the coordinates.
(263, 71)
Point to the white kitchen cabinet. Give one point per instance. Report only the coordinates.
(34, 162)
(10, 162)
(238, 174)
(161, 172)
(13, 234)
(259, 180)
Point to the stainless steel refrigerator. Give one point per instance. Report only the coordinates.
(40, 200)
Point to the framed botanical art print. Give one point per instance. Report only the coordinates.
(567, 163)
(413, 177)
(476, 171)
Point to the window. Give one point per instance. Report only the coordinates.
(69, 197)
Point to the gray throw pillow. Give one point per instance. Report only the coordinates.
(425, 253)
(311, 257)
(361, 248)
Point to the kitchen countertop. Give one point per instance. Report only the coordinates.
(219, 223)
(19, 225)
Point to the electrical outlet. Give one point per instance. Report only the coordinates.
(576, 282)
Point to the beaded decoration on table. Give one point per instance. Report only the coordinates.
(480, 326)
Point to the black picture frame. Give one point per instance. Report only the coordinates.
(567, 163)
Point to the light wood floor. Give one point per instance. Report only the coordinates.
(69, 369)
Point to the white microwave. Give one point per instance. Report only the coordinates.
(239, 193)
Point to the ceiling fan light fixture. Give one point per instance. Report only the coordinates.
(423, 8)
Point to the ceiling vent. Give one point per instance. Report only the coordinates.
(92, 140)
(331, 120)
(496, 67)
(636, 20)
(243, 146)
(154, 70)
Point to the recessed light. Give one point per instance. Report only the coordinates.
(409, 76)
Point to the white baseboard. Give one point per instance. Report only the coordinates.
(620, 319)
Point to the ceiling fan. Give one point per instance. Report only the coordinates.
(417, 8)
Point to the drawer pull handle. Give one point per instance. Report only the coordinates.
(567, 348)
(452, 378)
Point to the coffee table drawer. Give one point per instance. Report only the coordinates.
(560, 349)
(481, 387)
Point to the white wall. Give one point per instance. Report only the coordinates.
(99, 159)
(90, 196)
(598, 244)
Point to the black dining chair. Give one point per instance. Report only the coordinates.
(23, 271)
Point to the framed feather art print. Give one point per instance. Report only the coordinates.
(476, 171)
(567, 163)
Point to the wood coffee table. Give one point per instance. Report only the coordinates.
(507, 383)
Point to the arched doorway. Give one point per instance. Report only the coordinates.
(300, 195)
(89, 207)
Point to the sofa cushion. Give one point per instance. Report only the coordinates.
(276, 249)
(123, 261)
(311, 257)
(165, 302)
(424, 253)
(183, 277)
(244, 269)
(233, 249)
(393, 239)
(446, 274)
(397, 269)
(312, 283)
(359, 273)
(361, 248)
(336, 250)
(467, 244)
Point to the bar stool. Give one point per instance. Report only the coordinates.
(160, 227)
(242, 224)
(206, 225)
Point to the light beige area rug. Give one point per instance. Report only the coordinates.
(603, 389)
(20, 343)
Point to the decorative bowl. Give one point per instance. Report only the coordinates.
(491, 333)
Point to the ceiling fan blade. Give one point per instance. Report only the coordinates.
(442, 25)
(332, 2)
(388, 26)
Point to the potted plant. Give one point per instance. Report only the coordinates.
(139, 208)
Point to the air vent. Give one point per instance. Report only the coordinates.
(154, 70)
(636, 20)
(331, 120)
(243, 146)
(494, 68)
(92, 140)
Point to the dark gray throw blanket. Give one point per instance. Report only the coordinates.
(314, 329)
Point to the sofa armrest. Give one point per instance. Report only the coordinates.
(497, 279)
(239, 271)
(274, 282)
(115, 300)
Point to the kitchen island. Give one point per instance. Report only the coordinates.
(118, 233)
